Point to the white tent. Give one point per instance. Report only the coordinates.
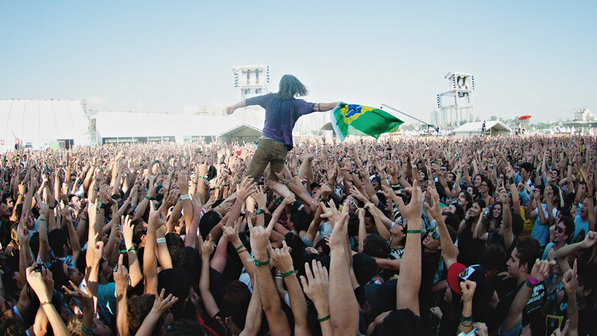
(492, 127)
(42, 123)
(154, 126)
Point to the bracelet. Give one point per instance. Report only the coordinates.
(278, 277)
(323, 319)
(184, 197)
(287, 183)
(261, 263)
(413, 166)
(45, 303)
(239, 247)
(87, 331)
(242, 250)
(413, 231)
(464, 319)
(532, 281)
(288, 273)
(259, 211)
(42, 220)
(147, 197)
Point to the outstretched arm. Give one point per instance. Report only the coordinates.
(230, 109)
(320, 107)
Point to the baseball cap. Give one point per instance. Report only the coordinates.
(476, 273)
(382, 297)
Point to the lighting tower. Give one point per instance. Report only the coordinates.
(455, 105)
(252, 80)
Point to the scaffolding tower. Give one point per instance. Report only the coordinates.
(455, 105)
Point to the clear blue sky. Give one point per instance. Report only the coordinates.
(528, 57)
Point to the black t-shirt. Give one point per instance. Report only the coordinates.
(429, 266)
(587, 322)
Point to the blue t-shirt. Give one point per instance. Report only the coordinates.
(579, 226)
(541, 232)
(280, 116)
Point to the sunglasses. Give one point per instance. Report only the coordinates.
(434, 234)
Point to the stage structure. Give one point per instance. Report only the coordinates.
(455, 105)
(252, 80)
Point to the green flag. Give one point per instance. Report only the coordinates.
(351, 119)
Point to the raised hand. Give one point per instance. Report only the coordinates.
(281, 258)
(161, 304)
(37, 282)
(121, 277)
(414, 209)
(468, 290)
(540, 270)
(84, 297)
(316, 284)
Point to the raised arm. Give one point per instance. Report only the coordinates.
(344, 308)
(150, 269)
(270, 300)
(316, 286)
(37, 281)
(449, 250)
(538, 274)
(208, 300)
(160, 306)
(282, 260)
(407, 290)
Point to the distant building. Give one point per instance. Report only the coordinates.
(582, 114)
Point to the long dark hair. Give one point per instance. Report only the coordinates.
(290, 87)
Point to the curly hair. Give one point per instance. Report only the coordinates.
(138, 308)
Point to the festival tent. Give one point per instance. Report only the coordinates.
(492, 127)
(115, 127)
(42, 123)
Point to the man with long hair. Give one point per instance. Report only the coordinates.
(282, 110)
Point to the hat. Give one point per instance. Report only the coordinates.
(476, 273)
(382, 297)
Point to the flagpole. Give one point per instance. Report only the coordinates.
(408, 115)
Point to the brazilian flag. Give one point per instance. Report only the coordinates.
(352, 119)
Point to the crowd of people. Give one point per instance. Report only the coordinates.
(400, 236)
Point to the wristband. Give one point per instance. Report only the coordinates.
(278, 277)
(532, 281)
(288, 273)
(184, 197)
(323, 319)
(261, 263)
(147, 197)
(465, 319)
(413, 231)
(42, 220)
(87, 331)
(259, 211)
(287, 183)
(242, 250)
(160, 240)
(45, 303)
(239, 247)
